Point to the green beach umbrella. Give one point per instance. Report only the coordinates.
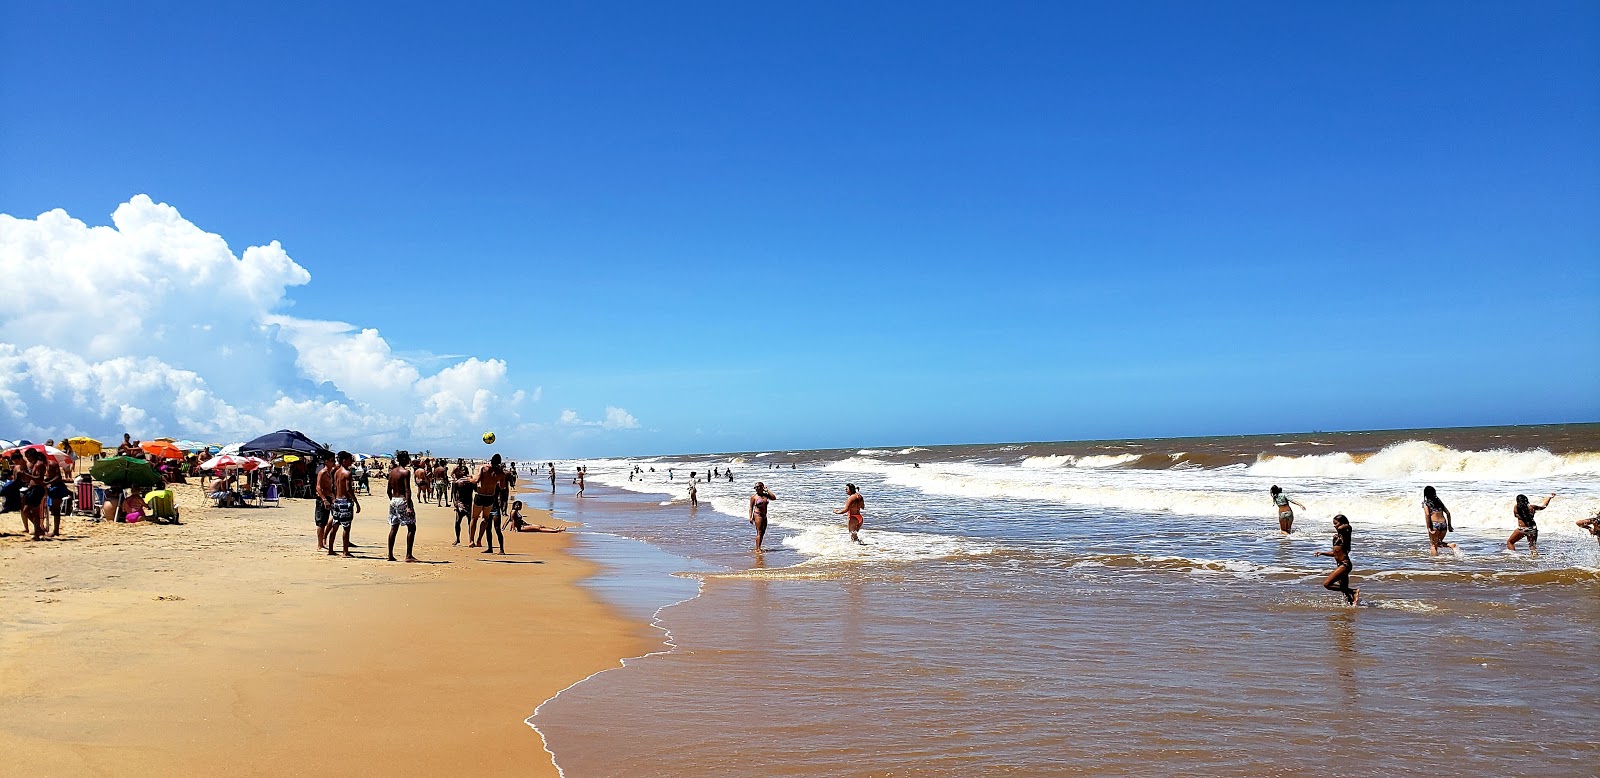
(123, 472)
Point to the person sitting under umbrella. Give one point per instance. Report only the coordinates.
(133, 507)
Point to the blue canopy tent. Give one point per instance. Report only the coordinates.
(284, 442)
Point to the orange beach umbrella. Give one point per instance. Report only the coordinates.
(163, 449)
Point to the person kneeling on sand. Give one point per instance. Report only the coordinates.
(401, 508)
(522, 526)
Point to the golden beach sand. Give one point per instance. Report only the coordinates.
(229, 644)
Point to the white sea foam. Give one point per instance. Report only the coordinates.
(1094, 461)
(1421, 459)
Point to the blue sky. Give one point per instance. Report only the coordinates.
(775, 226)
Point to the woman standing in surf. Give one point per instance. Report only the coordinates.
(1526, 526)
(1285, 513)
(1436, 519)
(1339, 579)
(758, 510)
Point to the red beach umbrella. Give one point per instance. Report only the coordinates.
(227, 462)
(61, 457)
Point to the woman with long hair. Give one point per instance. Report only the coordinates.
(1436, 519)
(1526, 527)
(1285, 513)
(1339, 579)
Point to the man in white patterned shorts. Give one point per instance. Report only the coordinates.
(401, 509)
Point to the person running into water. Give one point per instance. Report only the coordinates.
(1285, 513)
(853, 505)
(1592, 524)
(1436, 518)
(694, 496)
(758, 511)
(1339, 579)
(490, 478)
(1526, 526)
(345, 503)
(518, 525)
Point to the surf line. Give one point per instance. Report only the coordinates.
(668, 641)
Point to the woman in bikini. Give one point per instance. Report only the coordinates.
(1285, 513)
(1436, 519)
(1526, 527)
(523, 526)
(1339, 579)
(758, 511)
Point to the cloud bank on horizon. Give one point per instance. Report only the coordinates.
(155, 327)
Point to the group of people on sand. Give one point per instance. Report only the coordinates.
(854, 505)
(1436, 522)
(480, 497)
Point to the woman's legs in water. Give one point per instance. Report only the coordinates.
(1339, 581)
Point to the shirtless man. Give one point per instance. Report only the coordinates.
(56, 491)
(441, 477)
(345, 504)
(552, 479)
(462, 488)
(127, 447)
(401, 508)
(34, 487)
(424, 478)
(853, 505)
(490, 479)
(324, 502)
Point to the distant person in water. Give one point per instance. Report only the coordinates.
(1526, 526)
(552, 479)
(694, 496)
(1339, 579)
(1436, 518)
(519, 525)
(758, 511)
(580, 482)
(1285, 513)
(854, 503)
(1592, 524)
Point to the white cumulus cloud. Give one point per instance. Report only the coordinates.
(154, 326)
(615, 419)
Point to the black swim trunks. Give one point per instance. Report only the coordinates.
(484, 500)
(321, 517)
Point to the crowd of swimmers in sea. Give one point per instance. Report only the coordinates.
(1437, 523)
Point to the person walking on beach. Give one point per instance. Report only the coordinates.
(758, 511)
(1285, 513)
(694, 496)
(401, 508)
(487, 483)
(1339, 579)
(1436, 519)
(580, 482)
(854, 503)
(1526, 526)
(445, 492)
(552, 478)
(324, 509)
(345, 503)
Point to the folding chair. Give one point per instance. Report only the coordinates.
(86, 503)
(271, 495)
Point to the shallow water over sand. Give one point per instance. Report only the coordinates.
(1036, 635)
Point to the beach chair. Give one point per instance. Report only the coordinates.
(163, 506)
(271, 495)
(87, 504)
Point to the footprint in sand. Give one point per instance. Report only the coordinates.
(169, 597)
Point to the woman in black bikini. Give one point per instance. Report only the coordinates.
(1436, 519)
(1526, 527)
(758, 511)
(1339, 579)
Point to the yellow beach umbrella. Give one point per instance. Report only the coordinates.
(85, 446)
(287, 458)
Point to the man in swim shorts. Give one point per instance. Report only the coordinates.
(853, 505)
(324, 491)
(491, 478)
(401, 508)
(345, 503)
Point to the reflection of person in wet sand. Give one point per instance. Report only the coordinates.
(1436, 518)
(1339, 579)
(519, 525)
(853, 505)
(758, 511)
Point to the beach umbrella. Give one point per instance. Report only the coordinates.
(231, 449)
(191, 445)
(123, 472)
(259, 461)
(61, 457)
(5, 444)
(161, 448)
(85, 446)
(284, 442)
(230, 462)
